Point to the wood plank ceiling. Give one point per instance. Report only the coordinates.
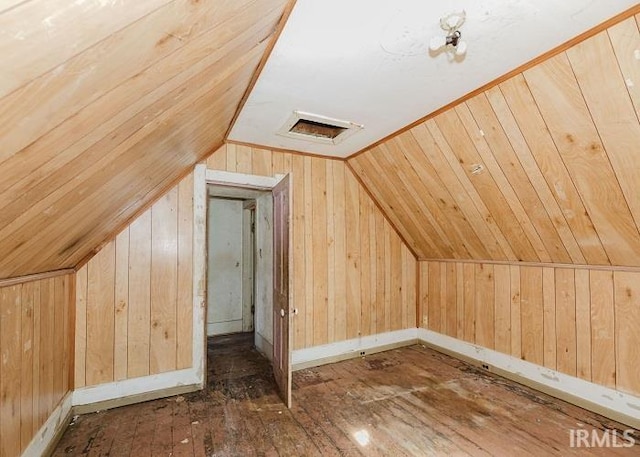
(544, 167)
(104, 105)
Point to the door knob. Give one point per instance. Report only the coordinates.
(281, 312)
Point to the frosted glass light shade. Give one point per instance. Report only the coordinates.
(437, 42)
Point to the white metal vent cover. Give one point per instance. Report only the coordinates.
(316, 128)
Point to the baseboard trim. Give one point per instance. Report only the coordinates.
(263, 346)
(46, 439)
(348, 349)
(136, 390)
(611, 403)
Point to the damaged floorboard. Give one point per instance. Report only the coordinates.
(408, 401)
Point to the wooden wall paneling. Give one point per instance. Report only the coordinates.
(534, 129)
(139, 296)
(319, 253)
(395, 271)
(352, 220)
(35, 413)
(299, 260)
(627, 322)
(80, 347)
(372, 281)
(184, 325)
(409, 288)
(231, 157)
(382, 314)
(384, 190)
(465, 183)
(57, 31)
(365, 263)
(566, 350)
(549, 335)
(277, 162)
(485, 305)
(388, 285)
(331, 253)
(340, 242)
(434, 305)
(516, 313)
(10, 369)
(452, 218)
(467, 156)
(100, 316)
(486, 158)
(121, 310)
(499, 155)
(469, 275)
(244, 155)
(463, 202)
(308, 249)
(460, 312)
(59, 304)
(164, 254)
(625, 39)
(261, 162)
(603, 331)
(425, 203)
(423, 294)
(523, 166)
(218, 160)
(502, 294)
(557, 92)
(450, 303)
(583, 324)
(606, 95)
(27, 392)
(531, 312)
(47, 329)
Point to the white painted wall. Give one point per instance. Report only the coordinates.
(264, 274)
(225, 294)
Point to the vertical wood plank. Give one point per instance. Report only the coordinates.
(549, 319)
(627, 319)
(485, 305)
(35, 413)
(60, 300)
(45, 402)
(423, 267)
(218, 160)
(81, 327)
(121, 306)
(243, 159)
(396, 281)
(566, 320)
(27, 429)
(583, 324)
(411, 287)
(139, 295)
(331, 255)
(469, 274)
(298, 267)
(100, 316)
(352, 220)
(365, 264)
(434, 306)
(164, 265)
(373, 272)
(531, 311)
(460, 311)
(319, 253)
(502, 295)
(443, 297)
(603, 334)
(261, 162)
(516, 326)
(340, 233)
(451, 311)
(308, 249)
(381, 291)
(10, 368)
(184, 340)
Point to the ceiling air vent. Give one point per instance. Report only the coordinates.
(316, 128)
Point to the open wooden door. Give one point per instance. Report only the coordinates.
(281, 307)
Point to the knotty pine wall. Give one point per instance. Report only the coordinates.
(134, 304)
(352, 273)
(36, 350)
(580, 321)
(542, 167)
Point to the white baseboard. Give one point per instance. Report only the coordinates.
(608, 402)
(342, 350)
(263, 346)
(135, 390)
(48, 435)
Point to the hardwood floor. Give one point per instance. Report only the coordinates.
(409, 401)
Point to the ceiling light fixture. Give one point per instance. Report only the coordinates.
(452, 43)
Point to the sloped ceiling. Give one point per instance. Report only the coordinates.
(544, 167)
(104, 104)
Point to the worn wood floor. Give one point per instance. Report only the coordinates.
(409, 401)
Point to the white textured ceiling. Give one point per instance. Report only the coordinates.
(367, 61)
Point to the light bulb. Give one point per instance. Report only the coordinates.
(461, 49)
(437, 42)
